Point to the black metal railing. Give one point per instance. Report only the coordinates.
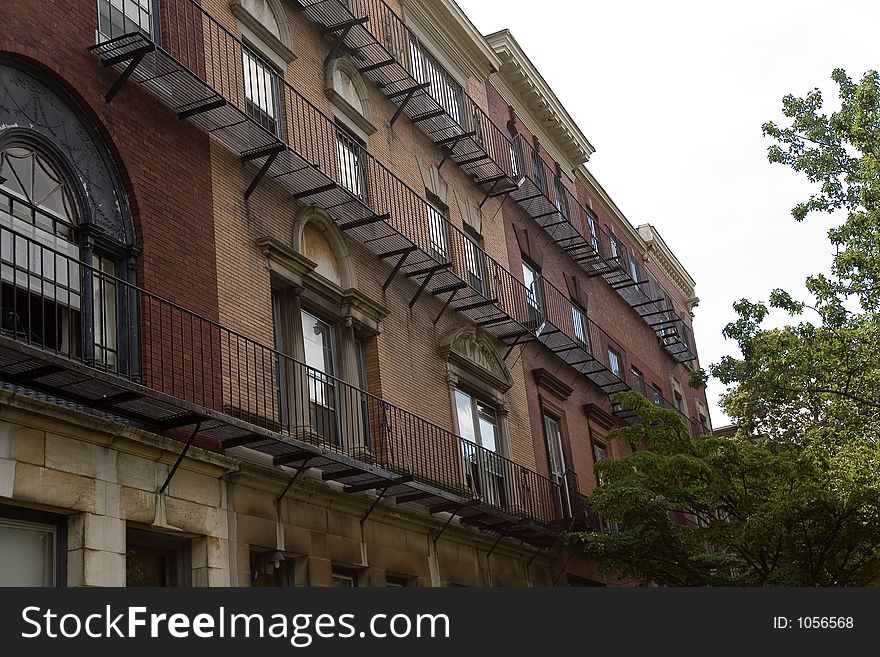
(193, 359)
(203, 70)
(388, 52)
(327, 165)
(545, 197)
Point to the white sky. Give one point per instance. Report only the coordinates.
(673, 96)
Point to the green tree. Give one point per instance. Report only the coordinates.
(794, 497)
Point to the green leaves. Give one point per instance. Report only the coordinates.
(794, 497)
(735, 511)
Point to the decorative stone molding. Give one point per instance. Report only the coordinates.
(471, 215)
(473, 358)
(314, 217)
(347, 91)
(552, 384)
(527, 89)
(529, 244)
(30, 110)
(284, 262)
(434, 182)
(264, 25)
(450, 34)
(603, 418)
(662, 255)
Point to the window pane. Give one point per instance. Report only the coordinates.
(594, 238)
(444, 89)
(554, 446)
(349, 160)
(474, 262)
(464, 409)
(614, 361)
(261, 91)
(580, 332)
(438, 232)
(530, 280)
(634, 269)
(28, 554)
(488, 427)
(104, 308)
(118, 17)
(318, 347)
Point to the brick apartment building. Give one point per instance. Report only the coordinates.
(308, 293)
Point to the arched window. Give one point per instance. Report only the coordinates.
(68, 259)
(46, 291)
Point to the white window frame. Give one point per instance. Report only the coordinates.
(579, 321)
(614, 357)
(144, 23)
(484, 467)
(50, 569)
(261, 91)
(438, 230)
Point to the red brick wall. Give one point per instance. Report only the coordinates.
(163, 161)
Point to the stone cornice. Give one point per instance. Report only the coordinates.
(606, 420)
(543, 106)
(621, 223)
(660, 253)
(451, 32)
(551, 383)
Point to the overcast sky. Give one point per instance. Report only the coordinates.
(673, 96)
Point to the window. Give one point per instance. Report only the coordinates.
(614, 362)
(612, 242)
(638, 381)
(559, 200)
(261, 91)
(104, 309)
(600, 453)
(475, 260)
(515, 154)
(478, 425)
(656, 396)
(438, 231)
(556, 459)
(118, 17)
(580, 327)
(350, 162)
(704, 422)
(397, 582)
(634, 269)
(31, 545)
(319, 357)
(443, 88)
(156, 560)
(540, 171)
(532, 281)
(679, 401)
(41, 297)
(594, 233)
(344, 578)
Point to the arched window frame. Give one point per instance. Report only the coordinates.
(107, 331)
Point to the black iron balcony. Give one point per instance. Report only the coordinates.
(209, 76)
(575, 229)
(188, 373)
(387, 52)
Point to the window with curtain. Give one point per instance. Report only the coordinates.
(41, 296)
(478, 425)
